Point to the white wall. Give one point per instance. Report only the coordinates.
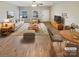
(45, 14)
(4, 7)
(71, 8)
(42, 11)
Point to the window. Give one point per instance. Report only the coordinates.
(35, 14)
(24, 14)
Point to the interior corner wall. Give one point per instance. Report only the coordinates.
(4, 7)
(71, 8)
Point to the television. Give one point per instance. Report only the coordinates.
(59, 19)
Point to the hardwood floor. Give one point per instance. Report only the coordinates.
(12, 46)
(57, 48)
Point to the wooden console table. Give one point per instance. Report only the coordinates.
(69, 36)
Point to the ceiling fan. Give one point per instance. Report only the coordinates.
(35, 4)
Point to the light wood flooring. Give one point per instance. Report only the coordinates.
(58, 50)
(42, 47)
(11, 45)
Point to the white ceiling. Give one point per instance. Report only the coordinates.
(29, 3)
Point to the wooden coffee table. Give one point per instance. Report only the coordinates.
(69, 36)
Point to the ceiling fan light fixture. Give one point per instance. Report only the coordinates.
(34, 5)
